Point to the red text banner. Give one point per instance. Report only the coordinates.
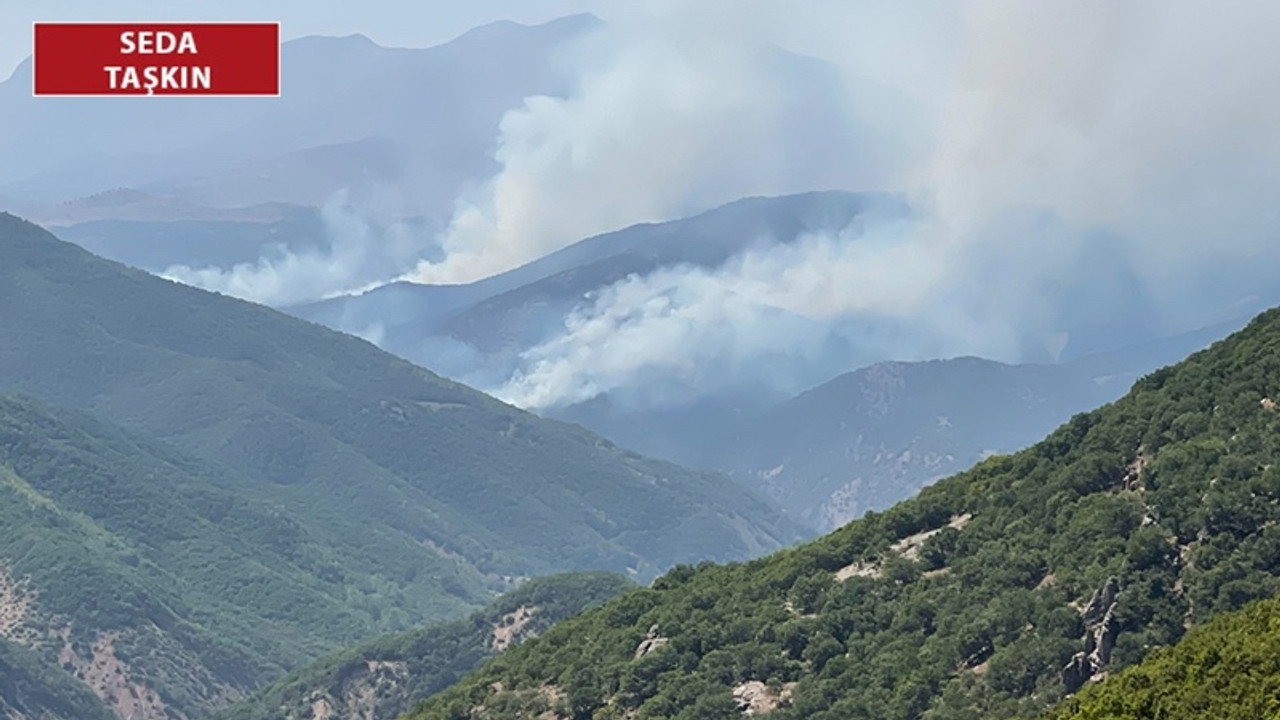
(157, 59)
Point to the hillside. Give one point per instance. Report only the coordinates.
(385, 677)
(155, 245)
(162, 582)
(992, 594)
(872, 437)
(1227, 670)
(856, 441)
(399, 498)
(864, 440)
(30, 688)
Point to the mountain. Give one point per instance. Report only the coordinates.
(156, 245)
(869, 438)
(1227, 670)
(859, 441)
(418, 497)
(384, 678)
(992, 594)
(137, 206)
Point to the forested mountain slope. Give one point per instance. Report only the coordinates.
(30, 688)
(385, 677)
(1227, 670)
(993, 594)
(160, 582)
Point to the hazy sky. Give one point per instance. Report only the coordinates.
(406, 23)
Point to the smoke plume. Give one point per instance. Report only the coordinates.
(667, 117)
(368, 242)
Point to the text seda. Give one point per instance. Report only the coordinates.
(152, 77)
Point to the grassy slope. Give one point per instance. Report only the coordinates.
(1173, 491)
(432, 658)
(1227, 670)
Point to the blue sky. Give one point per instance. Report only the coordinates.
(405, 23)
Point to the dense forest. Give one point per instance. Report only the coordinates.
(993, 594)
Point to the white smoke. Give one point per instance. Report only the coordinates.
(367, 244)
(701, 326)
(666, 117)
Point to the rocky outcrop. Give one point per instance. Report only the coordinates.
(123, 667)
(363, 694)
(1101, 628)
(908, 547)
(652, 643)
(757, 698)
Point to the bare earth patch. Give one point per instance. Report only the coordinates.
(109, 678)
(908, 547)
(509, 630)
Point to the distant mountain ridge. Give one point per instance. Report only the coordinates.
(861, 441)
(870, 438)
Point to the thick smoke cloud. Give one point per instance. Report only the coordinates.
(1096, 172)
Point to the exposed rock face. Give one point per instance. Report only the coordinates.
(101, 660)
(756, 698)
(652, 643)
(362, 694)
(1100, 633)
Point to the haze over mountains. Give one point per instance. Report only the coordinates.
(382, 135)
